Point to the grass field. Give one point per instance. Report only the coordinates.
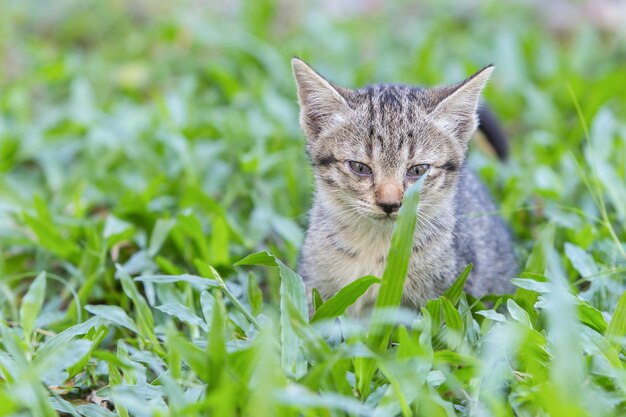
(148, 147)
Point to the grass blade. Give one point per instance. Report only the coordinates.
(31, 305)
(617, 325)
(345, 297)
(397, 266)
(113, 314)
(316, 299)
(291, 290)
(392, 284)
(454, 292)
(145, 319)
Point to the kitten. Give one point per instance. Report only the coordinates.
(366, 147)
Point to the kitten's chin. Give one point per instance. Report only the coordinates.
(385, 218)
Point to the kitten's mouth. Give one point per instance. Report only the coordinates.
(385, 217)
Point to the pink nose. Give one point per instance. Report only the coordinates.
(389, 197)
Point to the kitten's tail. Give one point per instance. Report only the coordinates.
(493, 131)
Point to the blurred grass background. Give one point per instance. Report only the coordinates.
(161, 135)
(118, 114)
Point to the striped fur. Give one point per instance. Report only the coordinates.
(391, 128)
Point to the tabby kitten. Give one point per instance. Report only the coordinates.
(367, 146)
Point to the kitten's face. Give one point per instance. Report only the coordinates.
(367, 146)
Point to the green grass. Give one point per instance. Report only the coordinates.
(149, 151)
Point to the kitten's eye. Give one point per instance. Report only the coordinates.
(359, 168)
(417, 171)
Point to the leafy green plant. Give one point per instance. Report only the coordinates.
(147, 147)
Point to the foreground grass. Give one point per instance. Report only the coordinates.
(146, 151)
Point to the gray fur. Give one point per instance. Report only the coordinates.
(391, 128)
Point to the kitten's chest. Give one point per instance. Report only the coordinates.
(361, 253)
(332, 262)
(348, 255)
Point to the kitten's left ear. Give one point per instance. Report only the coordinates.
(457, 111)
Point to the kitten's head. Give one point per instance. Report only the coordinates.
(368, 145)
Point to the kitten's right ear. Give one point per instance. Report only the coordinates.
(321, 104)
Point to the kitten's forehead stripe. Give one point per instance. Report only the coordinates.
(411, 144)
(392, 111)
(401, 143)
(390, 99)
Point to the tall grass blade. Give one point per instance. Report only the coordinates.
(392, 284)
